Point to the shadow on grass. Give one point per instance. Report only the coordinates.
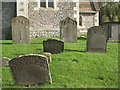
(36, 43)
(81, 38)
(6, 43)
(74, 50)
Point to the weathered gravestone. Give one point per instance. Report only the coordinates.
(30, 70)
(20, 30)
(48, 55)
(53, 46)
(97, 39)
(5, 61)
(113, 31)
(68, 30)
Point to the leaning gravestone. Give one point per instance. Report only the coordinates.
(30, 69)
(68, 30)
(97, 39)
(20, 30)
(53, 46)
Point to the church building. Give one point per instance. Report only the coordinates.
(45, 15)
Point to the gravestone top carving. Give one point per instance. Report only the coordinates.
(53, 46)
(20, 30)
(68, 30)
(30, 69)
(97, 39)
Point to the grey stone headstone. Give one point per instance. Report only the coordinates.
(113, 31)
(53, 46)
(20, 30)
(30, 69)
(5, 61)
(97, 39)
(68, 30)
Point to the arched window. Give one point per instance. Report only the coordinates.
(80, 21)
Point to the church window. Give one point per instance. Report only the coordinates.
(43, 3)
(80, 21)
(47, 3)
(51, 3)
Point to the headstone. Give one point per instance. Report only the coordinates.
(53, 46)
(20, 30)
(68, 30)
(48, 55)
(30, 69)
(5, 61)
(113, 32)
(97, 39)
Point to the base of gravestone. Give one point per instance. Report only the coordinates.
(113, 41)
(98, 50)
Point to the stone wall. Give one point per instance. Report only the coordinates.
(44, 33)
(89, 20)
(8, 13)
(48, 18)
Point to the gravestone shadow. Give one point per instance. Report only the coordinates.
(69, 50)
(81, 38)
(36, 43)
(6, 43)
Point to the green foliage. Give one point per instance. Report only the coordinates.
(105, 18)
(74, 68)
(110, 10)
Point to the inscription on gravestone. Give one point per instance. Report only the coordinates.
(68, 30)
(30, 70)
(20, 30)
(97, 39)
(53, 46)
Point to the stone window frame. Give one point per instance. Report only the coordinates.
(54, 4)
(81, 26)
(80, 21)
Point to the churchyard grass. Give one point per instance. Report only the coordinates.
(74, 68)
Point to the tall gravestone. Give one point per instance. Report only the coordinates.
(20, 30)
(68, 30)
(113, 31)
(30, 69)
(53, 46)
(97, 39)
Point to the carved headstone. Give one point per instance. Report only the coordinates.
(68, 30)
(30, 69)
(20, 30)
(97, 39)
(53, 46)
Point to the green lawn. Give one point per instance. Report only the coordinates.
(74, 68)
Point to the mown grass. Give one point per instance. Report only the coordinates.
(74, 68)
